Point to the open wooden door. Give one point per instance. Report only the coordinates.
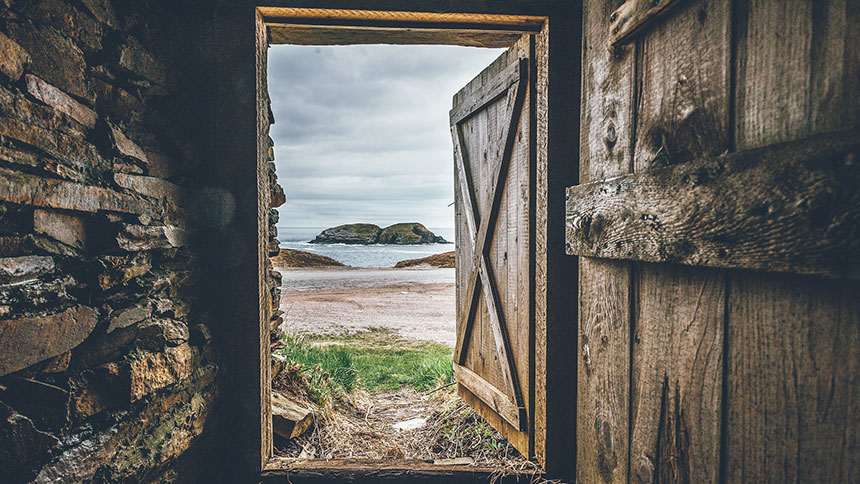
(494, 150)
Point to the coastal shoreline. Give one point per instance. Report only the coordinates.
(414, 303)
(297, 259)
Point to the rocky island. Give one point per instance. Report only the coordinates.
(399, 234)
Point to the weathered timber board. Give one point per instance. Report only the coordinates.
(603, 350)
(792, 340)
(793, 207)
(634, 15)
(296, 34)
(555, 304)
(340, 16)
(678, 315)
(495, 399)
(281, 470)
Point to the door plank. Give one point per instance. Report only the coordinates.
(679, 322)
(603, 357)
(478, 100)
(793, 344)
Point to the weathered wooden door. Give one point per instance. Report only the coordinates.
(494, 150)
(716, 228)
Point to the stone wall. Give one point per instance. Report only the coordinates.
(108, 371)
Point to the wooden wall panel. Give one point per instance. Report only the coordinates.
(603, 360)
(792, 386)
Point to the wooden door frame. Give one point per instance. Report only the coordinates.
(557, 89)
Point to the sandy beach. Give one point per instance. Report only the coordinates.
(416, 303)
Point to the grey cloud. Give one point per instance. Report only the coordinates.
(362, 134)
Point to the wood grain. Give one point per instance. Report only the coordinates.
(490, 395)
(281, 469)
(493, 144)
(793, 350)
(603, 359)
(263, 351)
(299, 34)
(678, 324)
(557, 114)
(793, 207)
(793, 379)
(633, 16)
(677, 374)
(527, 23)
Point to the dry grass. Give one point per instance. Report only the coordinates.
(359, 425)
(353, 423)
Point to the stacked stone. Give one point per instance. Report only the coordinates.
(105, 372)
(276, 199)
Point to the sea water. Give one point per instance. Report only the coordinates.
(375, 255)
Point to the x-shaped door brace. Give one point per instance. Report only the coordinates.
(510, 82)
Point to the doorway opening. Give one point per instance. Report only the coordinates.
(493, 126)
(363, 149)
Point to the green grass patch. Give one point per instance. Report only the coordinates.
(375, 360)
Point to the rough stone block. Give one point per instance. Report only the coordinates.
(160, 165)
(277, 196)
(125, 146)
(122, 274)
(171, 307)
(121, 318)
(25, 267)
(43, 336)
(24, 446)
(152, 371)
(150, 186)
(103, 11)
(13, 58)
(274, 248)
(105, 348)
(48, 130)
(54, 57)
(31, 295)
(98, 389)
(57, 364)
(278, 364)
(69, 21)
(158, 333)
(160, 431)
(134, 238)
(16, 187)
(60, 101)
(289, 419)
(115, 102)
(68, 229)
(135, 59)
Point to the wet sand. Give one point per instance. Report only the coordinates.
(416, 303)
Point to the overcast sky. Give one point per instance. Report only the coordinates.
(361, 132)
